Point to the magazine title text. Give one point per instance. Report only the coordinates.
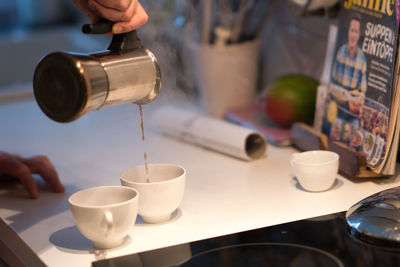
(381, 6)
(379, 41)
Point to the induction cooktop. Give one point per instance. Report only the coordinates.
(322, 241)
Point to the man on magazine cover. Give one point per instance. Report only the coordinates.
(350, 69)
(349, 77)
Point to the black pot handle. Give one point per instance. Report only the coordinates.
(123, 42)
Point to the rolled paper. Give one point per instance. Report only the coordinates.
(208, 132)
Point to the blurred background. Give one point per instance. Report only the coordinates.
(292, 41)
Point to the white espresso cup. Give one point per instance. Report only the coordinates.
(315, 170)
(161, 190)
(105, 214)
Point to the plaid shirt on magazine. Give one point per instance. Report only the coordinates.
(350, 72)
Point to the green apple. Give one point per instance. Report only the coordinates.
(291, 98)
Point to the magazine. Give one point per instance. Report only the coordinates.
(361, 105)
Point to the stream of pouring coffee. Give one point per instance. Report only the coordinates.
(145, 155)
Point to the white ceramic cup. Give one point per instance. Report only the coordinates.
(161, 191)
(105, 214)
(315, 170)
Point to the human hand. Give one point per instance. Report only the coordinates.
(17, 167)
(128, 14)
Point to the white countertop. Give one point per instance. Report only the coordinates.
(223, 194)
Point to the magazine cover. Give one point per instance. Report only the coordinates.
(358, 101)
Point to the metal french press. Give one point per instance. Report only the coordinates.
(69, 85)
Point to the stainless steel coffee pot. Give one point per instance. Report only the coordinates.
(69, 85)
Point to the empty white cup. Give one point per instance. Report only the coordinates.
(105, 214)
(315, 170)
(161, 191)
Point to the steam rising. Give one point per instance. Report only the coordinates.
(166, 39)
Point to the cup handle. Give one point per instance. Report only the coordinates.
(108, 218)
(292, 157)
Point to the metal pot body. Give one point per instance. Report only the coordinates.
(69, 85)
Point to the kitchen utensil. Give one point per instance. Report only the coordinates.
(376, 219)
(244, 6)
(207, 21)
(69, 85)
(315, 170)
(161, 190)
(105, 214)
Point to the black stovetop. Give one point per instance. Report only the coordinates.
(322, 241)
